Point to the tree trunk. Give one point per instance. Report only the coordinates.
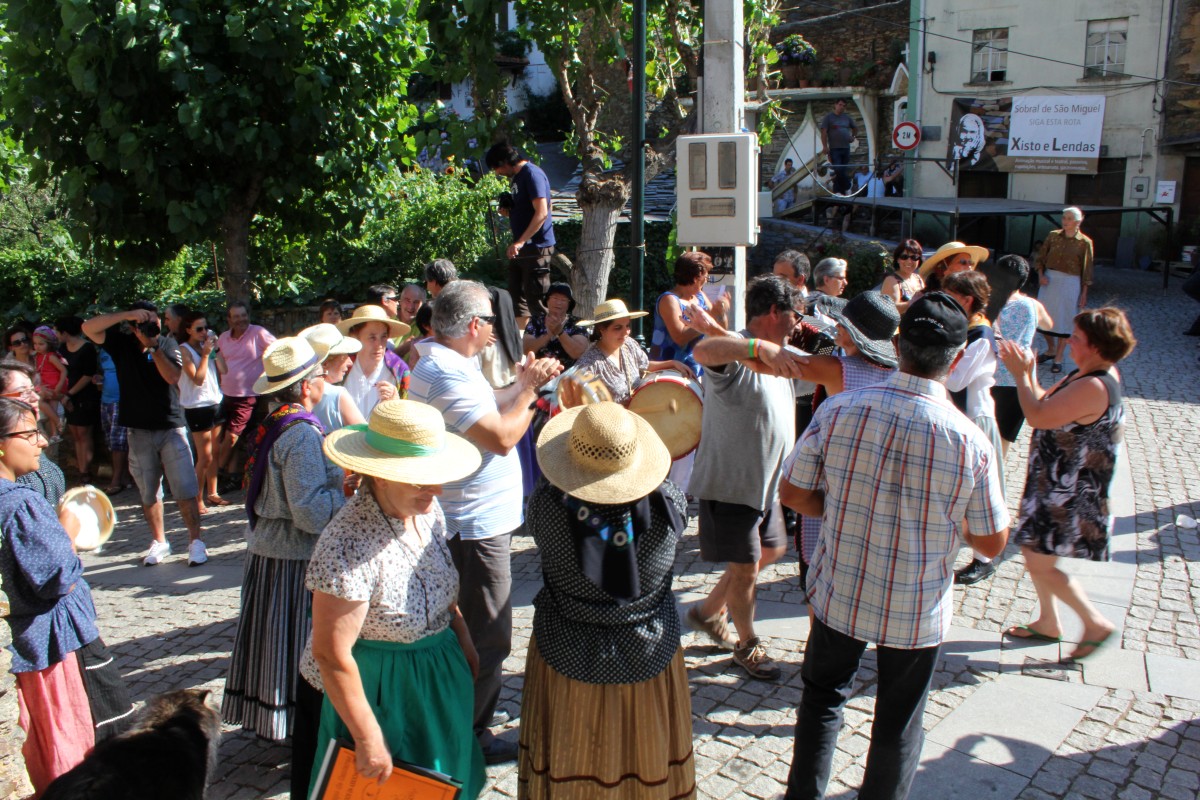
(235, 239)
(601, 199)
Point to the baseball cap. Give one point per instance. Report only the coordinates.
(934, 319)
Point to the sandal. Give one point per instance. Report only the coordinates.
(113, 491)
(1092, 644)
(217, 500)
(1026, 632)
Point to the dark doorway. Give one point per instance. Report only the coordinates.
(1189, 197)
(985, 231)
(1105, 188)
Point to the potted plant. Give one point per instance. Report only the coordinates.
(795, 56)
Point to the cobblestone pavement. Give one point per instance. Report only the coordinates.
(1003, 721)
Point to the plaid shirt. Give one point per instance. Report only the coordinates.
(901, 468)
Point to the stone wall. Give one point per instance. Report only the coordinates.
(860, 35)
(14, 782)
(1182, 108)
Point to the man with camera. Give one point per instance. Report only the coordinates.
(148, 371)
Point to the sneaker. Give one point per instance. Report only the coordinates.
(500, 752)
(1056, 367)
(157, 552)
(197, 553)
(715, 628)
(753, 658)
(974, 572)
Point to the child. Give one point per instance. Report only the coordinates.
(49, 365)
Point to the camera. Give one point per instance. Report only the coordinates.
(149, 328)
(504, 200)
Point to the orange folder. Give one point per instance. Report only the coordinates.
(339, 780)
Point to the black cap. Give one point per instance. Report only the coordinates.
(934, 319)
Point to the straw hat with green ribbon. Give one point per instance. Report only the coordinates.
(406, 442)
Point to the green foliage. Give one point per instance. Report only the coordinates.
(659, 264)
(159, 119)
(866, 262)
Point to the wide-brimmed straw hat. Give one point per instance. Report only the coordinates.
(285, 361)
(602, 453)
(610, 310)
(978, 255)
(406, 442)
(871, 320)
(372, 313)
(328, 341)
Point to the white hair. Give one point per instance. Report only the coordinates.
(1074, 213)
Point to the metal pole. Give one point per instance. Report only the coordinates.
(637, 231)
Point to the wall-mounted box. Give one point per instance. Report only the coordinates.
(717, 189)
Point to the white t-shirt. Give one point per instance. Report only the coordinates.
(207, 393)
(361, 387)
(486, 503)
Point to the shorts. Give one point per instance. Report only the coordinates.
(731, 532)
(84, 411)
(153, 454)
(204, 418)
(236, 412)
(529, 278)
(1009, 416)
(116, 436)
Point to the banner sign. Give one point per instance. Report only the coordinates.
(1031, 133)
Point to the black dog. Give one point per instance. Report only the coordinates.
(168, 753)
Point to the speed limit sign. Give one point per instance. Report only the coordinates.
(906, 135)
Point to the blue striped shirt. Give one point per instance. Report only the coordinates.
(487, 502)
(901, 469)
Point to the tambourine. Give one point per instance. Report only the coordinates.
(591, 388)
(95, 513)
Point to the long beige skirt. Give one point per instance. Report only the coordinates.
(582, 741)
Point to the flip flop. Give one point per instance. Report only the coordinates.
(1094, 644)
(112, 491)
(1029, 633)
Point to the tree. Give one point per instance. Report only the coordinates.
(167, 122)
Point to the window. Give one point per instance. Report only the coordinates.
(989, 55)
(1105, 53)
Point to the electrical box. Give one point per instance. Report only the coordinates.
(717, 189)
(1139, 188)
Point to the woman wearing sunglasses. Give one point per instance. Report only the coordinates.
(904, 283)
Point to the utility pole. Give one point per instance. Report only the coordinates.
(723, 101)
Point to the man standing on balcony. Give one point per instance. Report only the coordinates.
(837, 132)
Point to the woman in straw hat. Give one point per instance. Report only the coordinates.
(336, 407)
(605, 710)
(865, 327)
(51, 614)
(389, 642)
(378, 374)
(614, 357)
(292, 494)
(950, 258)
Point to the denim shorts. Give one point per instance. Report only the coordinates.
(153, 454)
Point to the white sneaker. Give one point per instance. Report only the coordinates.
(157, 552)
(197, 553)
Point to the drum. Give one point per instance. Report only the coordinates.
(95, 513)
(673, 405)
(591, 388)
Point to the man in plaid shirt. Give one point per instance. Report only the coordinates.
(900, 480)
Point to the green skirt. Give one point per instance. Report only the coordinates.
(424, 699)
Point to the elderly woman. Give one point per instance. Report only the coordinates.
(1077, 432)
(336, 408)
(53, 620)
(829, 280)
(605, 710)
(614, 357)
(391, 646)
(378, 374)
(683, 315)
(904, 282)
(556, 334)
(292, 494)
(1064, 266)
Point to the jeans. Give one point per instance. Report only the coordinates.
(485, 600)
(831, 661)
(840, 157)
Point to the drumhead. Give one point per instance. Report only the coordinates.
(678, 429)
(95, 513)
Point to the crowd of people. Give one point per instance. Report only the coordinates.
(392, 453)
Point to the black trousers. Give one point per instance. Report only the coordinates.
(831, 661)
(485, 600)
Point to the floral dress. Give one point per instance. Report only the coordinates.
(1064, 510)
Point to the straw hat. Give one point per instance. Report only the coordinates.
(328, 341)
(285, 361)
(610, 310)
(370, 313)
(978, 255)
(602, 453)
(871, 320)
(404, 441)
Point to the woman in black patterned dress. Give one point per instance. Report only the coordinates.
(1077, 432)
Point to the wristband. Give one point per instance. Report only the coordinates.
(752, 346)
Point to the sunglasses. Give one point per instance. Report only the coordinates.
(389, 298)
(17, 342)
(17, 394)
(490, 319)
(908, 257)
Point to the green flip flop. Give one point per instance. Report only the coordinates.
(1094, 644)
(1030, 633)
